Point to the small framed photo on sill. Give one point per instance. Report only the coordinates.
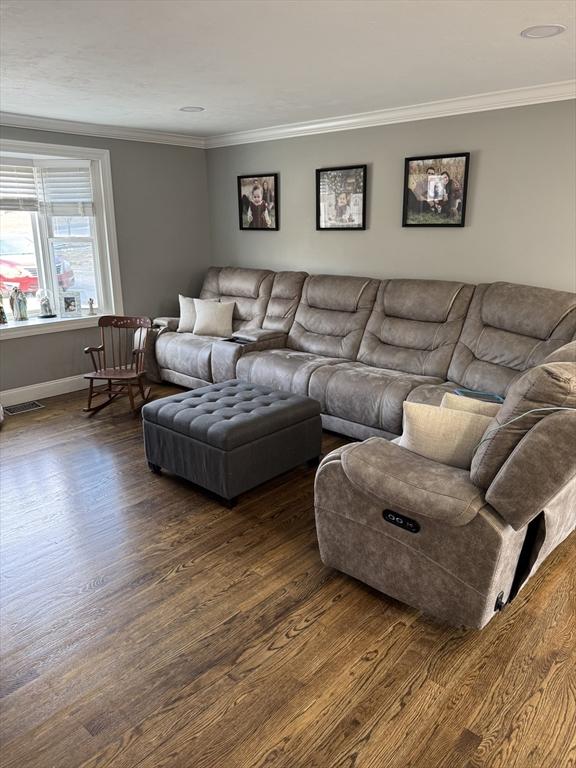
(70, 304)
(258, 205)
(435, 188)
(341, 197)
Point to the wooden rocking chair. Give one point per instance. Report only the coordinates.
(119, 361)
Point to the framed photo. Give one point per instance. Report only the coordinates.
(341, 197)
(258, 202)
(70, 304)
(435, 190)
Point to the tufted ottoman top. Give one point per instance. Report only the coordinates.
(231, 413)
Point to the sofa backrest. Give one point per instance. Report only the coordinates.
(249, 289)
(510, 328)
(286, 293)
(415, 325)
(332, 315)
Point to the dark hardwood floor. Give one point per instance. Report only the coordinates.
(143, 624)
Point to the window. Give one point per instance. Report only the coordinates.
(56, 234)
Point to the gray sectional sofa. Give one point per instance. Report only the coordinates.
(362, 346)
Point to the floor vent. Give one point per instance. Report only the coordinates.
(14, 410)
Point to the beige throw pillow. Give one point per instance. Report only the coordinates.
(187, 314)
(469, 404)
(213, 318)
(442, 434)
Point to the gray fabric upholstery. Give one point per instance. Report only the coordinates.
(225, 354)
(171, 323)
(415, 325)
(521, 489)
(332, 315)
(510, 328)
(229, 414)
(453, 573)
(545, 386)
(565, 354)
(411, 483)
(364, 394)
(230, 437)
(284, 300)
(285, 369)
(353, 429)
(431, 394)
(185, 353)
(249, 289)
(181, 379)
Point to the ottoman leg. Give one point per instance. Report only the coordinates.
(230, 503)
(154, 468)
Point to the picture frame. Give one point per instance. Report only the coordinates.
(259, 202)
(435, 190)
(70, 304)
(341, 198)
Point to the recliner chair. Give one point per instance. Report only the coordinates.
(455, 543)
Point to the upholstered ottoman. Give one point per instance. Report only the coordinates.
(232, 436)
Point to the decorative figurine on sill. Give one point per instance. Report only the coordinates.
(45, 298)
(91, 310)
(3, 318)
(18, 304)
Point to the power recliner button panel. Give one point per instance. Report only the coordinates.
(401, 521)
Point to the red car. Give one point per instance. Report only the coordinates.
(18, 267)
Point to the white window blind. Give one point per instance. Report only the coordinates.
(18, 189)
(64, 190)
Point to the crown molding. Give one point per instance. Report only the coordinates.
(11, 119)
(482, 102)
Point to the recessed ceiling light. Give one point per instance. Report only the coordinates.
(543, 30)
(192, 109)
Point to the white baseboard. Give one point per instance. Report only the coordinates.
(43, 390)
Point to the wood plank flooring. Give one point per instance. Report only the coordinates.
(144, 624)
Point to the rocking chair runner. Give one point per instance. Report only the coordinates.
(119, 360)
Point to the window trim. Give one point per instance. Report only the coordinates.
(105, 225)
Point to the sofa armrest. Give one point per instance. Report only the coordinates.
(225, 354)
(171, 323)
(409, 482)
(261, 334)
(538, 468)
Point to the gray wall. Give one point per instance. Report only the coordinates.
(163, 243)
(521, 202)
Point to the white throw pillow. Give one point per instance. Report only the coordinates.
(187, 314)
(442, 434)
(213, 318)
(469, 404)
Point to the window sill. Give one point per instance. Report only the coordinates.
(17, 329)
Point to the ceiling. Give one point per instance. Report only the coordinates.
(254, 64)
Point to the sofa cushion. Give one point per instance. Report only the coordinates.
(469, 404)
(415, 325)
(552, 385)
(332, 315)
(213, 318)
(284, 369)
(185, 353)
(364, 394)
(509, 329)
(446, 435)
(286, 292)
(249, 289)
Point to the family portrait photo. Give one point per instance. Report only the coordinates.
(435, 190)
(341, 197)
(258, 201)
